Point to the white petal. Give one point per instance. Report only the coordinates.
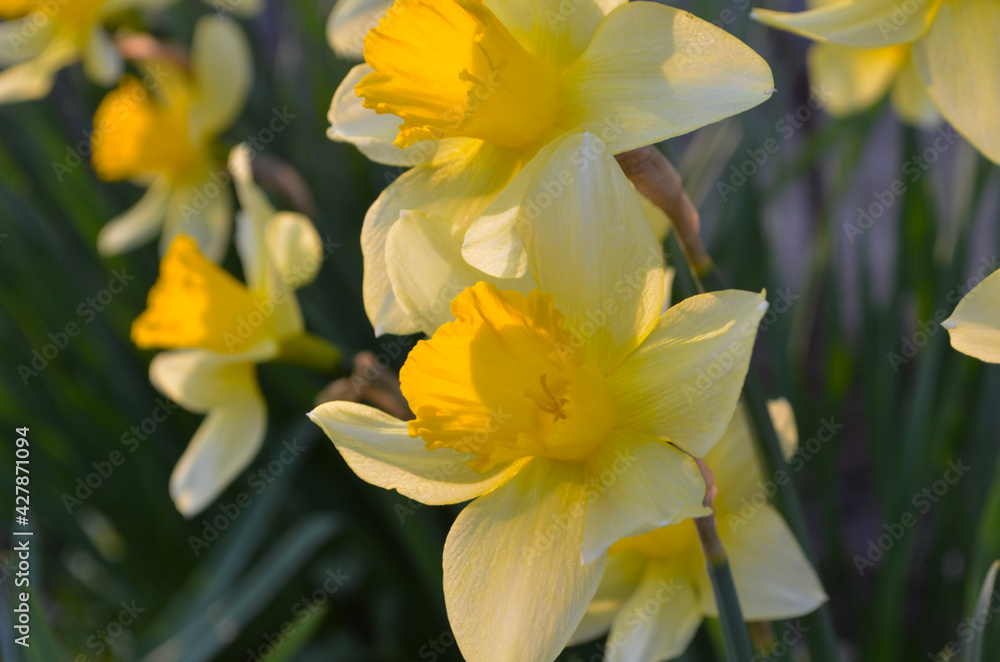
(372, 133)
(350, 21)
(593, 249)
(138, 224)
(637, 483)
(102, 62)
(380, 450)
(514, 585)
(225, 443)
(223, 72)
(22, 39)
(33, 79)
(207, 219)
(294, 247)
(860, 23)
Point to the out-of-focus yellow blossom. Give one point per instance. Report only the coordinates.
(946, 47)
(40, 37)
(567, 409)
(161, 132)
(218, 329)
(656, 590)
(974, 327)
(477, 95)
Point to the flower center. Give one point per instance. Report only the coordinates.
(196, 303)
(501, 382)
(450, 68)
(136, 133)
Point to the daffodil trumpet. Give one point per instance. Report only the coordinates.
(942, 50)
(217, 328)
(477, 96)
(567, 407)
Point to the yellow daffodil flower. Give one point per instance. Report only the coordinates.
(974, 327)
(947, 47)
(568, 409)
(218, 329)
(656, 590)
(161, 133)
(40, 37)
(477, 94)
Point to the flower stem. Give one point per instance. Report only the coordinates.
(309, 351)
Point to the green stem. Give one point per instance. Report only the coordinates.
(309, 351)
(734, 629)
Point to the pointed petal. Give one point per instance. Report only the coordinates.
(653, 72)
(198, 379)
(640, 633)
(974, 327)
(294, 247)
(514, 585)
(622, 576)
(374, 134)
(15, 44)
(350, 21)
(208, 220)
(102, 62)
(862, 23)
(957, 59)
(224, 445)
(910, 98)
(552, 29)
(853, 79)
(379, 449)
(773, 577)
(426, 269)
(139, 223)
(33, 79)
(592, 248)
(223, 73)
(637, 483)
(458, 188)
(683, 382)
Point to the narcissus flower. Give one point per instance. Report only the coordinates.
(218, 329)
(974, 327)
(656, 590)
(477, 95)
(569, 409)
(40, 37)
(161, 133)
(947, 47)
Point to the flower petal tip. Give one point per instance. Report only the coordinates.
(949, 324)
(770, 91)
(763, 306)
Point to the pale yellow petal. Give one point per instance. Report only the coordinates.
(637, 483)
(974, 327)
(294, 247)
(200, 380)
(33, 79)
(458, 188)
(139, 224)
(957, 60)
(853, 79)
(426, 269)
(682, 384)
(653, 72)
(102, 62)
(21, 39)
(224, 445)
(371, 133)
(862, 23)
(622, 575)
(910, 98)
(783, 418)
(514, 583)
(203, 211)
(592, 248)
(659, 619)
(223, 73)
(379, 449)
(773, 577)
(350, 21)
